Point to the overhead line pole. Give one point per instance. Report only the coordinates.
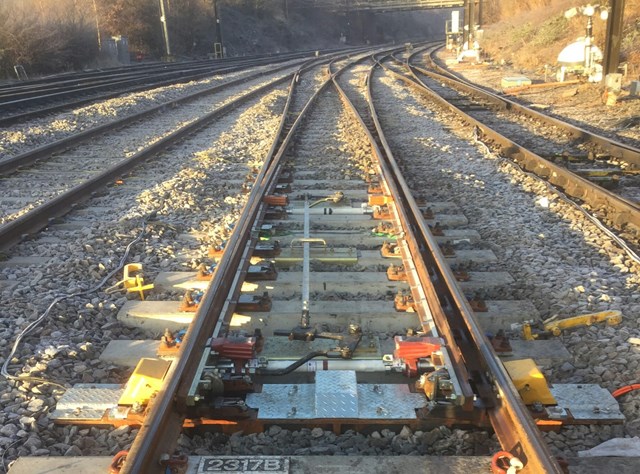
(614, 37)
(165, 30)
(218, 46)
(469, 21)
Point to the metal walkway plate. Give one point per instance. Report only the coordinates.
(587, 401)
(336, 395)
(87, 401)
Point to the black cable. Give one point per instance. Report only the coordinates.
(292, 367)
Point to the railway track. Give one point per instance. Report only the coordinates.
(344, 174)
(41, 97)
(546, 150)
(67, 168)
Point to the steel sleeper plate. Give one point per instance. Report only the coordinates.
(336, 394)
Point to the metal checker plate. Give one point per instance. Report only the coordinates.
(283, 401)
(383, 402)
(336, 394)
(373, 401)
(587, 401)
(87, 401)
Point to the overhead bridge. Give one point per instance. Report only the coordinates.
(376, 5)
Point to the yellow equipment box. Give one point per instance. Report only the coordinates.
(145, 381)
(530, 382)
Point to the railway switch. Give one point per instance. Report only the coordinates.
(419, 354)
(437, 385)
(224, 370)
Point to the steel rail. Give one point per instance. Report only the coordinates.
(41, 216)
(615, 148)
(377, 140)
(16, 118)
(106, 80)
(164, 415)
(622, 213)
(512, 423)
(45, 151)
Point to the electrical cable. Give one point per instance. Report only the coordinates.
(34, 324)
(623, 245)
(626, 389)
